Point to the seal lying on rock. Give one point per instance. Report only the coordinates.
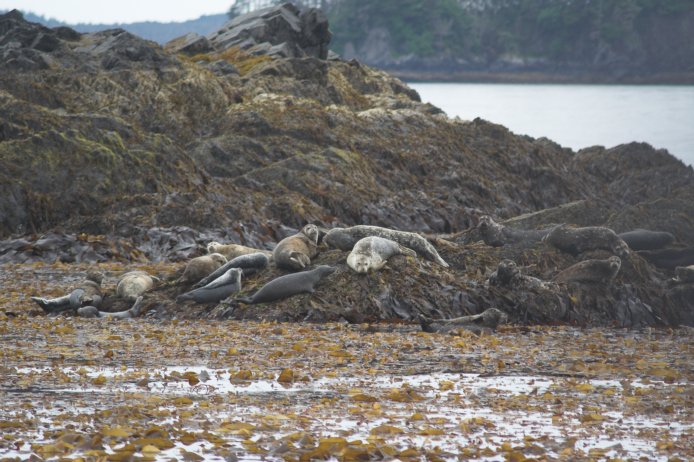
(644, 239)
(217, 290)
(579, 240)
(249, 263)
(497, 235)
(669, 258)
(88, 292)
(199, 267)
(489, 318)
(591, 271)
(133, 284)
(684, 274)
(508, 274)
(93, 312)
(346, 238)
(233, 250)
(372, 253)
(288, 285)
(295, 252)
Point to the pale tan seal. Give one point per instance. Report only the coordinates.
(199, 267)
(373, 252)
(346, 238)
(87, 292)
(296, 251)
(133, 284)
(591, 271)
(231, 251)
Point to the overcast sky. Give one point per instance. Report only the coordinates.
(119, 11)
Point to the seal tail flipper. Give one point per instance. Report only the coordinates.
(407, 251)
(136, 309)
(75, 298)
(246, 300)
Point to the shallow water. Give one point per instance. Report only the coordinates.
(577, 116)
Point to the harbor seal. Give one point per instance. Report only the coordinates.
(684, 274)
(346, 238)
(488, 319)
(578, 240)
(199, 267)
(133, 284)
(498, 235)
(296, 251)
(93, 312)
(288, 285)
(231, 251)
(372, 253)
(217, 290)
(669, 258)
(644, 239)
(249, 263)
(88, 292)
(591, 271)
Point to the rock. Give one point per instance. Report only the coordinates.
(191, 44)
(281, 30)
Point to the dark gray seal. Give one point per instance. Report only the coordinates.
(578, 240)
(373, 252)
(346, 238)
(498, 235)
(295, 252)
(591, 271)
(217, 290)
(644, 239)
(93, 312)
(669, 258)
(249, 263)
(288, 285)
(88, 292)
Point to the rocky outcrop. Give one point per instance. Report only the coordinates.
(282, 31)
(119, 149)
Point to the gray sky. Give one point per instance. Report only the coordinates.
(119, 11)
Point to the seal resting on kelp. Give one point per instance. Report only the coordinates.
(346, 238)
(217, 290)
(591, 271)
(199, 267)
(88, 292)
(288, 285)
(372, 253)
(93, 312)
(296, 251)
(644, 239)
(133, 284)
(231, 251)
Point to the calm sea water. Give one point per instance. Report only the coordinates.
(578, 116)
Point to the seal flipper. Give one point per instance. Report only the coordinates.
(407, 251)
(75, 298)
(245, 300)
(54, 305)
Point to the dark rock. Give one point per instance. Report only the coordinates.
(191, 44)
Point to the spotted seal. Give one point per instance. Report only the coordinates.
(498, 235)
(346, 238)
(88, 292)
(199, 267)
(669, 258)
(296, 251)
(578, 240)
(93, 312)
(133, 284)
(217, 290)
(372, 253)
(591, 271)
(644, 239)
(249, 263)
(231, 251)
(288, 285)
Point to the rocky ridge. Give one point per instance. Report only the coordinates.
(113, 147)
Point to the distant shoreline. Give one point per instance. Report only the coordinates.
(679, 78)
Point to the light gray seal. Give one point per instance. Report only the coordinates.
(578, 240)
(133, 284)
(199, 267)
(233, 250)
(217, 290)
(591, 271)
(296, 251)
(88, 292)
(644, 239)
(373, 252)
(346, 238)
(93, 312)
(249, 263)
(288, 285)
